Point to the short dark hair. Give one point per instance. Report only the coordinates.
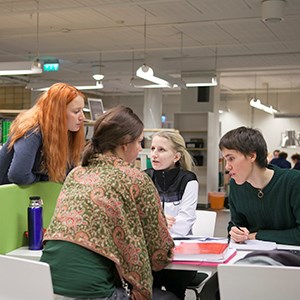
(283, 155)
(117, 126)
(246, 140)
(295, 156)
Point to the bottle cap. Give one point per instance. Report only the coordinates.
(35, 201)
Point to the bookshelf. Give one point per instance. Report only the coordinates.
(199, 126)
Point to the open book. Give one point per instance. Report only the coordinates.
(201, 251)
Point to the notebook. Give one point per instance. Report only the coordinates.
(230, 254)
(200, 251)
(259, 282)
(252, 245)
(22, 279)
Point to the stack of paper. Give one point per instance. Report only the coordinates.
(201, 251)
(252, 245)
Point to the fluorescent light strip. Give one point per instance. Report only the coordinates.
(144, 84)
(147, 73)
(20, 68)
(98, 86)
(256, 103)
(195, 84)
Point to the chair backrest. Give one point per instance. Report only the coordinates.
(258, 282)
(205, 223)
(23, 279)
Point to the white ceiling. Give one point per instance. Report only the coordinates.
(181, 35)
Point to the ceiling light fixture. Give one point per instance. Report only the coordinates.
(20, 68)
(197, 79)
(140, 82)
(256, 103)
(145, 84)
(145, 71)
(181, 82)
(97, 74)
(202, 81)
(97, 86)
(273, 10)
(24, 67)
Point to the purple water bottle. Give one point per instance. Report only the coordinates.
(35, 223)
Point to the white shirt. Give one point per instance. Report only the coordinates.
(185, 211)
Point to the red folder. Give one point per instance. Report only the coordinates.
(199, 251)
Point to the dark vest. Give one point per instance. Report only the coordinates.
(171, 183)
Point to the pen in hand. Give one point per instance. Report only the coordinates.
(243, 232)
(228, 241)
(238, 227)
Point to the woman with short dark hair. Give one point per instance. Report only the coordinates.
(264, 200)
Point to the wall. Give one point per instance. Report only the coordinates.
(15, 97)
(241, 113)
(170, 104)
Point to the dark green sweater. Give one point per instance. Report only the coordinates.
(276, 216)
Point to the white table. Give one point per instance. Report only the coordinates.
(25, 253)
(239, 255)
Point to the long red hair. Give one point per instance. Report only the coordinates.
(61, 148)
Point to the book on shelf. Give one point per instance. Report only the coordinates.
(201, 251)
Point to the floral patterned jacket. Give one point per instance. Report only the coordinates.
(113, 209)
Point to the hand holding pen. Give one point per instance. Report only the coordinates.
(239, 234)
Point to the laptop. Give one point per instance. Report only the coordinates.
(258, 282)
(22, 279)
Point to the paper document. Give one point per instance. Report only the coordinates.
(230, 253)
(200, 250)
(253, 245)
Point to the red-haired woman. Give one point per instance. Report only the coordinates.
(46, 141)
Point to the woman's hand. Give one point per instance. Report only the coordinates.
(170, 221)
(252, 236)
(239, 234)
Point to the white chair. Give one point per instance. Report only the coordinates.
(23, 279)
(203, 226)
(205, 223)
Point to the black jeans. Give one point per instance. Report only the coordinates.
(175, 281)
(210, 291)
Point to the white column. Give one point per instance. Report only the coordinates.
(152, 108)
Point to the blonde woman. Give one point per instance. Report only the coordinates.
(46, 141)
(178, 190)
(176, 183)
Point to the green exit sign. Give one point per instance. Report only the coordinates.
(51, 67)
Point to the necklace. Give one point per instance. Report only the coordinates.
(260, 193)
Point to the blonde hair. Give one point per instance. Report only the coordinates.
(178, 144)
(60, 148)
